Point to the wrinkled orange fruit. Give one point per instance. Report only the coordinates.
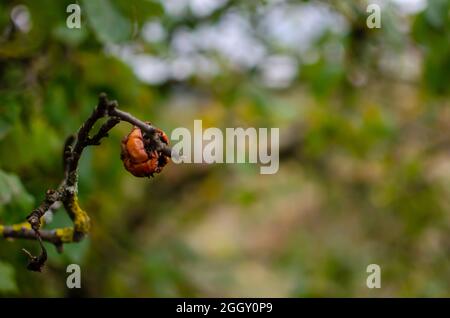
(139, 155)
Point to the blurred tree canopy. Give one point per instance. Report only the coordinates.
(364, 117)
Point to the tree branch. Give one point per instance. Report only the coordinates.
(67, 191)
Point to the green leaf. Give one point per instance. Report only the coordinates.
(109, 25)
(7, 280)
(13, 197)
(139, 11)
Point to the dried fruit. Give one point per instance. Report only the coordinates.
(140, 155)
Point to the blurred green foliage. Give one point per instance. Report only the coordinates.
(364, 116)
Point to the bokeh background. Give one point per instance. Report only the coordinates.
(364, 118)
